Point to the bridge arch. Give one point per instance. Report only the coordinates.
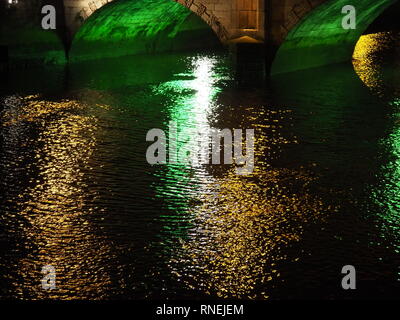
(319, 39)
(196, 6)
(125, 27)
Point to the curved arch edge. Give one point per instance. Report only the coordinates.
(312, 44)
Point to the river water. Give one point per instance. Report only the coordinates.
(78, 194)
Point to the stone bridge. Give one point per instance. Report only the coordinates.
(230, 19)
(295, 34)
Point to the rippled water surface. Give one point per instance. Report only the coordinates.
(77, 192)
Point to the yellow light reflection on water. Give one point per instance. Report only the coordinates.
(367, 59)
(241, 225)
(58, 203)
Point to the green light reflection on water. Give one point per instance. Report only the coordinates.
(391, 173)
(191, 103)
(374, 65)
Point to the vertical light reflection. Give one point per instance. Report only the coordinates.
(387, 193)
(378, 66)
(193, 101)
(195, 104)
(58, 229)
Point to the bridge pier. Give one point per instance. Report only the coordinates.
(249, 62)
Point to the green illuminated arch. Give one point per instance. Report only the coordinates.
(125, 27)
(319, 38)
